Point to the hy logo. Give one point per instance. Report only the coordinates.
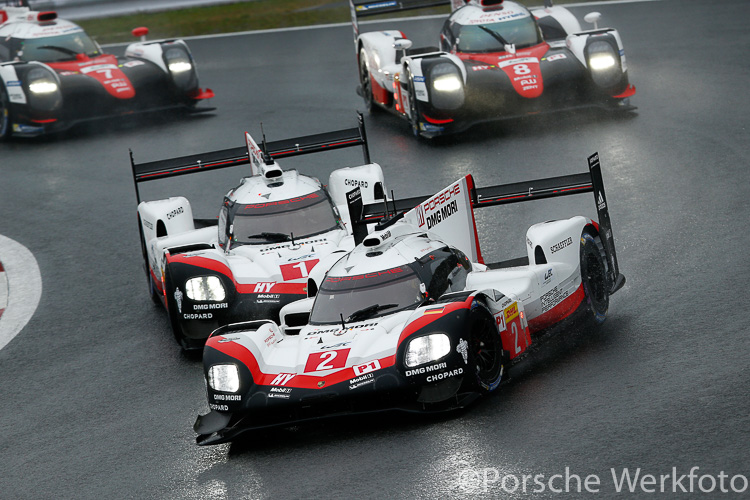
(282, 379)
(263, 287)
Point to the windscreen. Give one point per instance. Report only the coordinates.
(492, 37)
(57, 48)
(365, 296)
(277, 221)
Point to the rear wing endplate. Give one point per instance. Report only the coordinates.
(161, 169)
(539, 189)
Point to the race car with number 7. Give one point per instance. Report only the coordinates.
(54, 76)
(413, 319)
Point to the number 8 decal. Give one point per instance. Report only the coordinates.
(521, 69)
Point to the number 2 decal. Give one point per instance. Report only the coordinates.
(326, 360)
(514, 329)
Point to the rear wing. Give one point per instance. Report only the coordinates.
(366, 8)
(161, 169)
(587, 182)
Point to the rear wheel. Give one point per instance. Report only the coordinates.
(6, 126)
(365, 81)
(152, 290)
(594, 278)
(486, 357)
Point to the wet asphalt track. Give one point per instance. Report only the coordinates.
(98, 402)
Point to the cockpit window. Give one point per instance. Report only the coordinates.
(444, 271)
(365, 296)
(493, 37)
(278, 221)
(56, 48)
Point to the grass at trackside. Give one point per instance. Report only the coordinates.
(228, 18)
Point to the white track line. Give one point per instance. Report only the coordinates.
(22, 286)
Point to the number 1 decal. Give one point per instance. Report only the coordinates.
(298, 270)
(326, 360)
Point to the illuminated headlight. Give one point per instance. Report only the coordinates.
(601, 62)
(428, 348)
(180, 66)
(604, 63)
(224, 378)
(447, 83)
(447, 86)
(43, 87)
(41, 82)
(205, 288)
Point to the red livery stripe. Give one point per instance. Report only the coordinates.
(220, 267)
(559, 312)
(243, 355)
(428, 318)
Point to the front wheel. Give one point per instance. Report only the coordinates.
(594, 279)
(486, 357)
(365, 81)
(413, 106)
(6, 125)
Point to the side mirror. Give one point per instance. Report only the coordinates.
(402, 44)
(295, 315)
(593, 18)
(141, 31)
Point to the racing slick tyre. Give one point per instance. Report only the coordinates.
(6, 126)
(486, 357)
(152, 291)
(594, 278)
(365, 82)
(413, 106)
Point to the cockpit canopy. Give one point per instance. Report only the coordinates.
(277, 221)
(64, 45)
(472, 30)
(358, 297)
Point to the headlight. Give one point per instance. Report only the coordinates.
(41, 82)
(180, 66)
(428, 348)
(447, 83)
(604, 63)
(447, 86)
(224, 378)
(205, 288)
(600, 62)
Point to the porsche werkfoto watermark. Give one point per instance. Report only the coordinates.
(619, 480)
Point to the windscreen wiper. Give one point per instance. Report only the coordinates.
(272, 237)
(368, 311)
